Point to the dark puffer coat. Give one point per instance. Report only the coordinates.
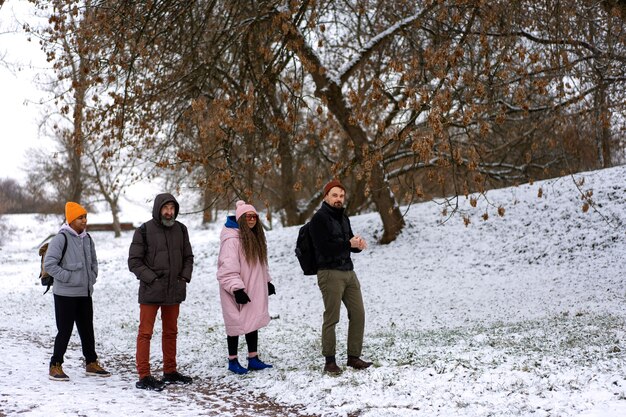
(331, 233)
(163, 264)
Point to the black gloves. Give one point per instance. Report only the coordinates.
(241, 297)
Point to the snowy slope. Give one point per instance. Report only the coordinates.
(518, 315)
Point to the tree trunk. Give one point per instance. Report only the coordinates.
(330, 92)
(288, 201)
(603, 133)
(77, 140)
(287, 180)
(601, 112)
(75, 150)
(115, 211)
(207, 215)
(606, 143)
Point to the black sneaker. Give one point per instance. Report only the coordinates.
(176, 378)
(150, 383)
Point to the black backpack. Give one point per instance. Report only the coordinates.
(305, 251)
(46, 279)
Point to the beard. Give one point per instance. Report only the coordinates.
(338, 204)
(168, 222)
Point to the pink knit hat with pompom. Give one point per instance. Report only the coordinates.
(243, 208)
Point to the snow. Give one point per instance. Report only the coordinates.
(521, 315)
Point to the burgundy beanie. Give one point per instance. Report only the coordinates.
(243, 208)
(331, 184)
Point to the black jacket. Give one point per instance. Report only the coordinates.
(331, 233)
(164, 261)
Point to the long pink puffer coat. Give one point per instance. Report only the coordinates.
(233, 273)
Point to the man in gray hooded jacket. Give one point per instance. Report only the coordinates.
(71, 260)
(160, 256)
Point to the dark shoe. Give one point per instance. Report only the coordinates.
(234, 366)
(150, 383)
(332, 369)
(94, 369)
(176, 378)
(56, 373)
(358, 363)
(255, 364)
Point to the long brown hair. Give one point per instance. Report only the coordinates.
(253, 241)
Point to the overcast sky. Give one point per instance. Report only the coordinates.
(19, 94)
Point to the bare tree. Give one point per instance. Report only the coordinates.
(267, 99)
(89, 162)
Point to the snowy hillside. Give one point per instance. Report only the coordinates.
(518, 315)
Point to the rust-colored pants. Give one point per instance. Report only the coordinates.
(147, 317)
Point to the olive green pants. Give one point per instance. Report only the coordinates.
(337, 287)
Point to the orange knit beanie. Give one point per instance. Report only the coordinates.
(73, 211)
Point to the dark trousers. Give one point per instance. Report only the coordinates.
(67, 311)
(252, 340)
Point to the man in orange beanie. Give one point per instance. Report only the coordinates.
(333, 241)
(72, 290)
(73, 211)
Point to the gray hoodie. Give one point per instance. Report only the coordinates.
(75, 276)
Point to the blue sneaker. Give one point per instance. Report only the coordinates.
(234, 366)
(255, 364)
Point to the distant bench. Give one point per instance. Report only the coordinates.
(108, 227)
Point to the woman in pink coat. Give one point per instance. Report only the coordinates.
(244, 284)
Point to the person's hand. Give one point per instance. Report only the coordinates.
(270, 289)
(241, 297)
(358, 242)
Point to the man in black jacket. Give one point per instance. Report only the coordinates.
(160, 256)
(333, 241)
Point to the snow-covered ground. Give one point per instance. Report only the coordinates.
(521, 315)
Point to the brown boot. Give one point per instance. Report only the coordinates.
(358, 363)
(56, 373)
(332, 369)
(94, 369)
